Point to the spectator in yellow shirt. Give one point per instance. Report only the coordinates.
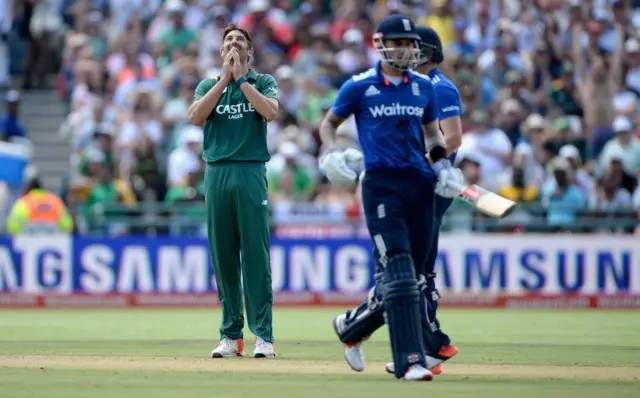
(440, 19)
(521, 182)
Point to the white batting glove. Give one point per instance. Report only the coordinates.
(323, 157)
(447, 173)
(339, 167)
(353, 155)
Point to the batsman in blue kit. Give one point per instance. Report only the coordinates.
(358, 324)
(397, 119)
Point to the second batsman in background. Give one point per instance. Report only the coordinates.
(358, 324)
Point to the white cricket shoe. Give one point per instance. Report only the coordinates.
(418, 373)
(228, 348)
(353, 353)
(354, 356)
(435, 366)
(263, 349)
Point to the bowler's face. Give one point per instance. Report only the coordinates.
(236, 39)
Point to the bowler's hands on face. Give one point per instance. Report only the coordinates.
(236, 67)
(227, 66)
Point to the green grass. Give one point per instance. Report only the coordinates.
(159, 384)
(492, 337)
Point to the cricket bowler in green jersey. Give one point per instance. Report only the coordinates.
(235, 108)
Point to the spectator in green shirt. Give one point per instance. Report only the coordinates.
(104, 191)
(193, 190)
(562, 134)
(176, 36)
(102, 143)
(315, 102)
(292, 182)
(564, 93)
(93, 28)
(187, 203)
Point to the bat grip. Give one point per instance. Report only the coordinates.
(457, 186)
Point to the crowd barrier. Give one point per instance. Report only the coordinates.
(474, 270)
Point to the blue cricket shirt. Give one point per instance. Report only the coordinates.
(449, 104)
(389, 118)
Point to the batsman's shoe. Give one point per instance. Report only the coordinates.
(263, 349)
(229, 348)
(418, 373)
(448, 351)
(354, 356)
(434, 364)
(391, 369)
(353, 351)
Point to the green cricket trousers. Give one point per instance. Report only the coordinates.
(238, 226)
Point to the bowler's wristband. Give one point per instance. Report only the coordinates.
(240, 81)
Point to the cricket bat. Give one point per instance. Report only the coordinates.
(484, 200)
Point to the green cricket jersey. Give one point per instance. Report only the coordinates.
(235, 130)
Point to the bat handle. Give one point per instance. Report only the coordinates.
(457, 186)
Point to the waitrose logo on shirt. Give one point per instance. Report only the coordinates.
(395, 110)
(234, 111)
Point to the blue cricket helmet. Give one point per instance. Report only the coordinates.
(430, 46)
(397, 27)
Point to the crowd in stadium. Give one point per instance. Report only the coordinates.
(550, 92)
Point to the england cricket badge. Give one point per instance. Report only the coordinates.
(415, 89)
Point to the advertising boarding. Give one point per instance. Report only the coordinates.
(472, 270)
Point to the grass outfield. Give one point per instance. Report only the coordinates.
(165, 353)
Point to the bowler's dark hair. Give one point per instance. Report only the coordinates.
(233, 27)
